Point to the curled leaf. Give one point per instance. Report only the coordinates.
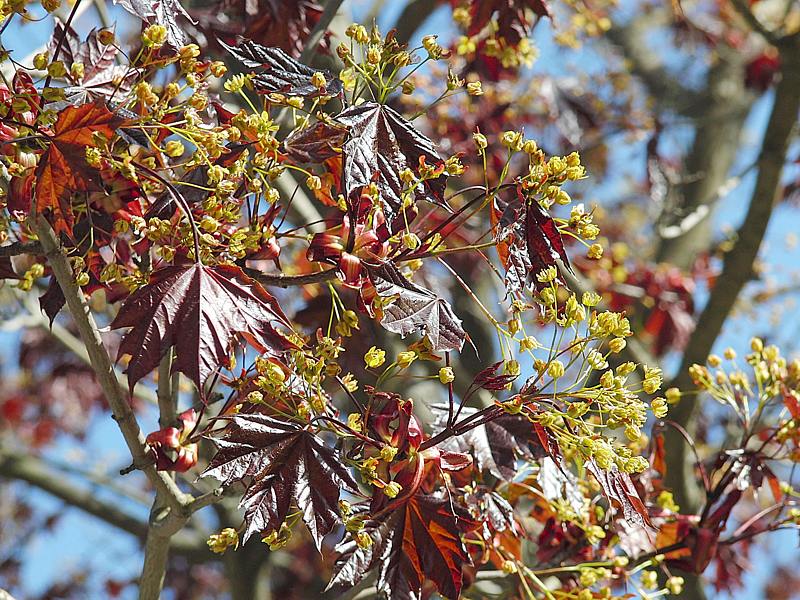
(277, 72)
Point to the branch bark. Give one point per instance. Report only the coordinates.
(633, 39)
(738, 263)
(36, 472)
(736, 272)
(102, 365)
(17, 248)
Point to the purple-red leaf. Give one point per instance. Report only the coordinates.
(282, 23)
(543, 239)
(528, 240)
(316, 143)
(200, 311)
(285, 465)
(52, 301)
(618, 488)
(489, 379)
(160, 12)
(497, 445)
(416, 542)
(380, 145)
(277, 72)
(417, 310)
(101, 76)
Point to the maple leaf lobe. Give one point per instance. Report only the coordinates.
(200, 311)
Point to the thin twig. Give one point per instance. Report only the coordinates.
(18, 248)
(319, 29)
(287, 281)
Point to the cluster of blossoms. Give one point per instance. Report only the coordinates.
(184, 206)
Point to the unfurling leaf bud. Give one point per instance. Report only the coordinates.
(105, 37)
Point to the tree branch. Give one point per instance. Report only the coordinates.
(738, 263)
(319, 29)
(287, 281)
(17, 248)
(34, 471)
(632, 38)
(753, 23)
(412, 17)
(102, 365)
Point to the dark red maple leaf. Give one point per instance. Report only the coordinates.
(380, 144)
(418, 541)
(284, 24)
(285, 465)
(200, 311)
(528, 240)
(498, 444)
(316, 143)
(101, 75)
(277, 72)
(417, 310)
(62, 169)
(52, 301)
(542, 238)
(161, 12)
(620, 491)
(511, 19)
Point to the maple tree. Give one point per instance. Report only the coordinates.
(346, 283)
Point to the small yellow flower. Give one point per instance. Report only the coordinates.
(392, 489)
(404, 359)
(595, 251)
(219, 542)
(555, 369)
(318, 80)
(474, 88)
(446, 375)
(154, 35)
(375, 357)
(40, 60)
(388, 453)
(174, 149)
